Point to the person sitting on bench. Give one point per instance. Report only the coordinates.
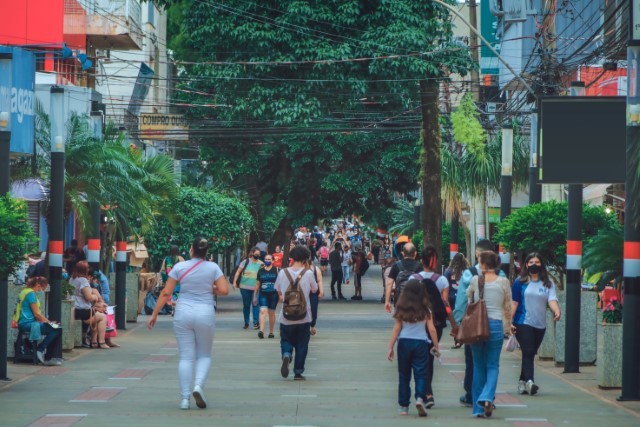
(30, 314)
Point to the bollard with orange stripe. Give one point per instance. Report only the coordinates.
(55, 253)
(574, 254)
(93, 255)
(453, 250)
(121, 284)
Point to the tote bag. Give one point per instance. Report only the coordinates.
(474, 327)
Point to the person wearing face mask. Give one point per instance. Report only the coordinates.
(265, 293)
(277, 257)
(31, 316)
(246, 278)
(531, 293)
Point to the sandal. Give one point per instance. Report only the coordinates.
(103, 346)
(94, 345)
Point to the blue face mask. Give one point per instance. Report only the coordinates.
(65, 275)
(267, 263)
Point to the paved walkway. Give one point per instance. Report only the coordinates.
(349, 381)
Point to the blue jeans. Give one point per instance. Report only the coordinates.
(295, 337)
(486, 364)
(51, 339)
(412, 354)
(247, 305)
(345, 273)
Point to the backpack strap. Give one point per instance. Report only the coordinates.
(297, 281)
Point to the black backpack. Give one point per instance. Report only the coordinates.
(438, 309)
(401, 279)
(294, 306)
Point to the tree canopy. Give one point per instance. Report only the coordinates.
(314, 103)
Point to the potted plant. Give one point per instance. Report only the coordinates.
(609, 365)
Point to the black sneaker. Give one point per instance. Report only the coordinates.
(341, 297)
(284, 369)
(464, 401)
(256, 326)
(271, 336)
(246, 326)
(429, 402)
(333, 297)
(261, 335)
(299, 377)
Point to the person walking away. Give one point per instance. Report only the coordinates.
(245, 279)
(265, 293)
(360, 266)
(458, 314)
(323, 255)
(335, 262)
(262, 246)
(412, 321)
(195, 318)
(486, 355)
(453, 273)
(277, 257)
(436, 286)
(29, 317)
(346, 263)
(295, 334)
(386, 264)
(407, 264)
(314, 297)
(531, 293)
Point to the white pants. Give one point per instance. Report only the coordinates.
(194, 326)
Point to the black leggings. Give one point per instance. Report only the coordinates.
(529, 339)
(357, 283)
(336, 277)
(428, 389)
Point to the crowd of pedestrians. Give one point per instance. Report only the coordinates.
(425, 301)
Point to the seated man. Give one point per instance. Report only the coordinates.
(30, 316)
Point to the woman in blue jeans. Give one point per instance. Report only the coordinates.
(30, 316)
(246, 278)
(486, 355)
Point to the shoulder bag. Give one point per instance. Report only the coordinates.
(474, 327)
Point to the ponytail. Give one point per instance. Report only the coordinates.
(429, 257)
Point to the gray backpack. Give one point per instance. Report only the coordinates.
(294, 306)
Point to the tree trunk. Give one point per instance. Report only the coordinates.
(430, 164)
(256, 210)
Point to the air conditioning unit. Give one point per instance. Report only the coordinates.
(103, 54)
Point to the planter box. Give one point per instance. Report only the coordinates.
(132, 298)
(68, 327)
(588, 325)
(609, 366)
(547, 349)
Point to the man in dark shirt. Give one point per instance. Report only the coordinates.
(408, 262)
(335, 262)
(72, 255)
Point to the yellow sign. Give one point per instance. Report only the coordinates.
(163, 127)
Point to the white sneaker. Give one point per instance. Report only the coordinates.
(422, 412)
(532, 388)
(40, 356)
(184, 404)
(198, 395)
(522, 387)
(52, 362)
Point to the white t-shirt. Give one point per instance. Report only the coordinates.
(79, 283)
(196, 288)
(307, 283)
(442, 283)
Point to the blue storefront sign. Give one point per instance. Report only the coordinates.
(20, 98)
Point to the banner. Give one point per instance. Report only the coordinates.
(171, 127)
(20, 98)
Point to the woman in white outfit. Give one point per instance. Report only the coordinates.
(194, 321)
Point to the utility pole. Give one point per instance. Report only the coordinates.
(94, 241)
(631, 266)
(506, 185)
(6, 63)
(479, 207)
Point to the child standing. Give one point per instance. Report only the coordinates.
(413, 318)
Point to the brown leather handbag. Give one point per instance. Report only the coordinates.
(474, 327)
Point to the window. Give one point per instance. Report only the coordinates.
(151, 13)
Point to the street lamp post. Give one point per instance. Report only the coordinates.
(56, 204)
(631, 266)
(5, 152)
